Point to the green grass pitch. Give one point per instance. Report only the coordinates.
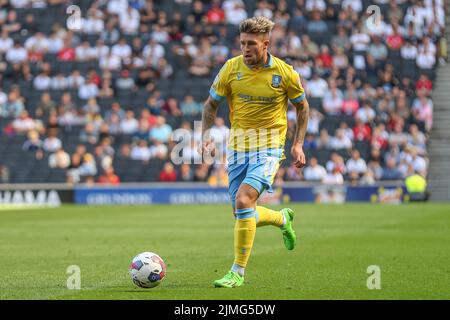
(410, 243)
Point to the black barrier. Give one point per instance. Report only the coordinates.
(45, 197)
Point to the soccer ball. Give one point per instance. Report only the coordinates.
(147, 270)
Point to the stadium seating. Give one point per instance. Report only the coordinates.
(26, 167)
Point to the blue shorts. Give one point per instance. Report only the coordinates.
(255, 168)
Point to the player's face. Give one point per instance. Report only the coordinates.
(253, 47)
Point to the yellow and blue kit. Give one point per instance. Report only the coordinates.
(258, 101)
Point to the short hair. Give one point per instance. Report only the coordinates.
(260, 25)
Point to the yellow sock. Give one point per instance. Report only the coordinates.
(267, 217)
(244, 235)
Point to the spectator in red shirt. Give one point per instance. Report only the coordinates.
(380, 137)
(395, 121)
(150, 118)
(94, 78)
(168, 173)
(171, 107)
(362, 131)
(325, 57)
(66, 53)
(350, 104)
(215, 14)
(109, 177)
(424, 83)
(395, 40)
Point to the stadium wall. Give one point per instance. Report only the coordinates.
(188, 193)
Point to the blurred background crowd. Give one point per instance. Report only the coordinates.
(99, 104)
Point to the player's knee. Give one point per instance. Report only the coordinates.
(243, 201)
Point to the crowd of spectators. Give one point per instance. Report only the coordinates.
(347, 66)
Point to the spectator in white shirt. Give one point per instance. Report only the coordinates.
(37, 43)
(333, 178)
(83, 52)
(425, 60)
(130, 124)
(52, 142)
(121, 49)
(16, 54)
(427, 45)
(17, 4)
(110, 62)
(220, 134)
(88, 90)
(315, 118)
(419, 163)
(140, 151)
(312, 5)
(100, 50)
(129, 21)
(340, 141)
(3, 100)
(347, 131)
(332, 101)
(356, 5)
(359, 40)
(263, 10)
(160, 34)
(6, 42)
(356, 163)
(317, 87)
(24, 123)
(59, 82)
(94, 23)
(55, 43)
(42, 81)
(365, 114)
(408, 51)
(158, 150)
(117, 6)
(236, 13)
(230, 4)
(314, 172)
(152, 52)
(75, 80)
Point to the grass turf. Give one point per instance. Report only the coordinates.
(410, 243)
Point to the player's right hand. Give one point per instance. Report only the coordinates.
(207, 148)
(298, 155)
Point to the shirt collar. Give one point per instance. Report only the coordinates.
(269, 63)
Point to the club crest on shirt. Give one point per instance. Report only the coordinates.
(239, 76)
(276, 80)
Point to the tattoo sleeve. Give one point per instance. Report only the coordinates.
(302, 121)
(209, 114)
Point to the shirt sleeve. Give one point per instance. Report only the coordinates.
(220, 88)
(295, 90)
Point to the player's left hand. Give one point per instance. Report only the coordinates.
(298, 155)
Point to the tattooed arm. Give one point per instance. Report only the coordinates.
(302, 108)
(208, 117)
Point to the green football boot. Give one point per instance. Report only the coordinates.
(288, 232)
(230, 280)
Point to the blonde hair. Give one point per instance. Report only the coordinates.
(260, 25)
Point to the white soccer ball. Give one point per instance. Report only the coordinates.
(147, 270)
